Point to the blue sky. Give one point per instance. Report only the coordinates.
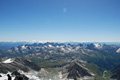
(60, 20)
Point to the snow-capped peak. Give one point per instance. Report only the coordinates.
(50, 45)
(97, 45)
(23, 47)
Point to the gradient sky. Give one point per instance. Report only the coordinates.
(60, 20)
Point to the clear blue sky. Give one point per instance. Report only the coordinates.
(60, 20)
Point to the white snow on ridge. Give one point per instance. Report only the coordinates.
(50, 45)
(118, 51)
(23, 47)
(8, 61)
(33, 77)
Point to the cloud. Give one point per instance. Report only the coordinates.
(64, 10)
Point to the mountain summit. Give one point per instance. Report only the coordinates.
(76, 71)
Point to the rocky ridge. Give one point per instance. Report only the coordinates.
(18, 64)
(76, 71)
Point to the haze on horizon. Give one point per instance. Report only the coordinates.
(60, 20)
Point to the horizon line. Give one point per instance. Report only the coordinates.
(39, 41)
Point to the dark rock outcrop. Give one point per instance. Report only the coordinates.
(15, 73)
(28, 63)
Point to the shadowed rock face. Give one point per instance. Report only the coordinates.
(116, 73)
(75, 71)
(29, 64)
(18, 64)
(14, 73)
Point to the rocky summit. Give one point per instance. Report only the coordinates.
(76, 71)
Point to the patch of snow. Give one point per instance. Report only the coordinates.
(57, 46)
(8, 61)
(78, 47)
(60, 75)
(87, 78)
(83, 61)
(45, 46)
(32, 77)
(69, 49)
(61, 46)
(118, 51)
(50, 45)
(97, 45)
(23, 47)
(63, 49)
(4, 76)
(70, 79)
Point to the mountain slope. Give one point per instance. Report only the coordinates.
(18, 64)
(76, 71)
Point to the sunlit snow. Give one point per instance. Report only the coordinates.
(8, 61)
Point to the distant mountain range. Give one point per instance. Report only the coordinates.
(8, 45)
